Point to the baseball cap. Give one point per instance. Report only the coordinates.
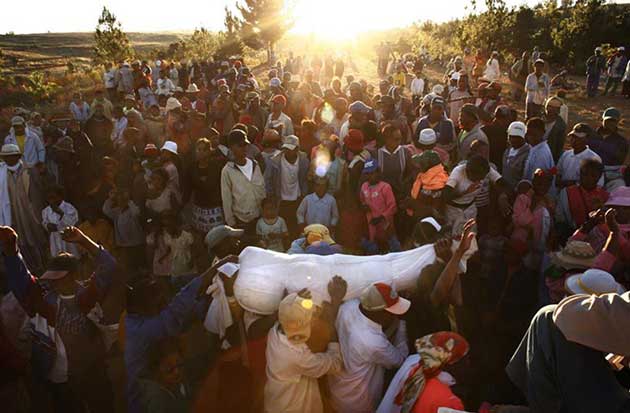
(295, 314)
(611, 113)
(60, 266)
(437, 100)
(370, 166)
(431, 221)
(517, 129)
(291, 142)
(221, 232)
(237, 137)
(580, 130)
(427, 137)
(381, 296)
(359, 107)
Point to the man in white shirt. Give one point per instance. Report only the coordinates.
(372, 339)
(462, 187)
(165, 86)
(571, 160)
(537, 87)
(277, 119)
(292, 367)
(286, 179)
(417, 85)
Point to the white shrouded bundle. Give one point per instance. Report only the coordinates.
(264, 274)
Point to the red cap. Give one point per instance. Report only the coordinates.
(279, 99)
(354, 141)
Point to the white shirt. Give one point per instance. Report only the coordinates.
(287, 128)
(292, 373)
(366, 352)
(417, 87)
(569, 164)
(247, 169)
(70, 217)
(493, 71)
(459, 181)
(165, 86)
(289, 180)
(109, 79)
(117, 131)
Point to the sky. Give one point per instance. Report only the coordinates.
(312, 16)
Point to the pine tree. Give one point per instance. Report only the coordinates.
(263, 23)
(111, 43)
(230, 41)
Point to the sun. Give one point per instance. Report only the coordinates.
(331, 19)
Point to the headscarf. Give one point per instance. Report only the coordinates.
(436, 351)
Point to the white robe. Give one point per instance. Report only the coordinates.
(70, 217)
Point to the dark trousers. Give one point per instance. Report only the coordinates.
(592, 84)
(288, 211)
(557, 375)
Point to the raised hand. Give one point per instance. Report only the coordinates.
(337, 288)
(72, 234)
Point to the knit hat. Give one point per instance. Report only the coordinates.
(295, 314)
(427, 137)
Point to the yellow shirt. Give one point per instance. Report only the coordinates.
(20, 139)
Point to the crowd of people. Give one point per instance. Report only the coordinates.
(122, 220)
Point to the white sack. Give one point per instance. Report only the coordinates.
(265, 274)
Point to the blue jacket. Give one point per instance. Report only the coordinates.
(142, 332)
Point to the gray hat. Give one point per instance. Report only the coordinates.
(221, 232)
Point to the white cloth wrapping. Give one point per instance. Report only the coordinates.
(218, 318)
(5, 201)
(265, 274)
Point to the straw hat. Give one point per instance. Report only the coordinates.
(593, 281)
(575, 255)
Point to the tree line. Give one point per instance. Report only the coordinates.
(567, 33)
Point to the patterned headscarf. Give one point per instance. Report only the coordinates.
(436, 351)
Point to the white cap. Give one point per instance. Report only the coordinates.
(593, 281)
(517, 129)
(170, 146)
(427, 137)
(431, 221)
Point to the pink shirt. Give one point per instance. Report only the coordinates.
(381, 201)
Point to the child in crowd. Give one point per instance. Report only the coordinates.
(179, 244)
(164, 388)
(160, 197)
(169, 157)
(271, 228)
(128, 232)
(377, 199)
(318, 207)
(58, 215)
